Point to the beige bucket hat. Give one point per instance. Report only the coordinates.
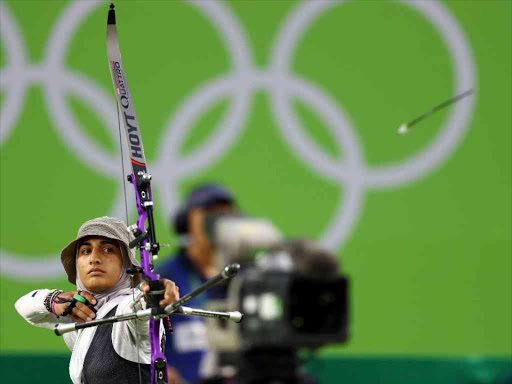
(101, 226)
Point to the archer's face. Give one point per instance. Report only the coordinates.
(99, 263)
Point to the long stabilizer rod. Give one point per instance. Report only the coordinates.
(227, 273)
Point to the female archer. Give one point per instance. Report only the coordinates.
(97, 262)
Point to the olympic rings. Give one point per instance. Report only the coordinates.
(240, 85)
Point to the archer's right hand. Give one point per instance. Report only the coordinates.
(81, 313)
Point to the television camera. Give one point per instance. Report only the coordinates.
(292, 296)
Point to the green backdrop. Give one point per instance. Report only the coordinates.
(428, 249)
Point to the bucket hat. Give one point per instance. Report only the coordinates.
(102, 226)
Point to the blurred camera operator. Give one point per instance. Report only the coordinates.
(193, 263)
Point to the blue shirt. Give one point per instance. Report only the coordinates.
(187, 345)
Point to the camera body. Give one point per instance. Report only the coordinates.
(281, 309)
(288, 310)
